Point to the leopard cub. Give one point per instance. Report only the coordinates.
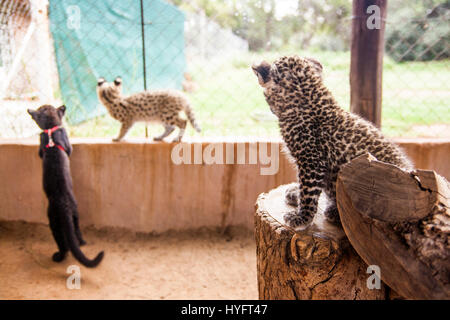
(161, 106)
(319, 135)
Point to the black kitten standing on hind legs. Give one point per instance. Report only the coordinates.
(55, 150)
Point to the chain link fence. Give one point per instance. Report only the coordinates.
(416, 87)
(53, 52)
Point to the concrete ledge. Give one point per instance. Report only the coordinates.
(136, 185)
(433, 154)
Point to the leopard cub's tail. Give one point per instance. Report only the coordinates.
(190, 115)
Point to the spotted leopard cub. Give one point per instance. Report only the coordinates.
(319, 135)
(161, 106)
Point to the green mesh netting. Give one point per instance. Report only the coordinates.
(103, 38)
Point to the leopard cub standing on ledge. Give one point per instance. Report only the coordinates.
(161, 106)
(319, 135)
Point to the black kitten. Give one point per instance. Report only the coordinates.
(55, 150)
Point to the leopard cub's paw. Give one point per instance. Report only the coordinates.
(297, 221)
(332, 215)
(292, 196)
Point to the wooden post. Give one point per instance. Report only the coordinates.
(367, 49)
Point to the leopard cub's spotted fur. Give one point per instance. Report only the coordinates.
(161, 106)
(319, 135)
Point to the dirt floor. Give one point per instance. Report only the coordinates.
(204, 264)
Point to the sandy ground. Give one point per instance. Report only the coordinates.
(204, 264)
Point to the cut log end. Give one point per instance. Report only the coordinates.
(399, 221)
(316, 263)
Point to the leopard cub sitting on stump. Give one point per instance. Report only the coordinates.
(319, 135)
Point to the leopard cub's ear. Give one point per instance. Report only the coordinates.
(316, 65)
(118, 81)
(100, 81)
(262, 71)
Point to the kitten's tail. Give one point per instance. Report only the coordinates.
(74, 245)
(191, 117)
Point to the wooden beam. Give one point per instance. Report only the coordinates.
(367, 49)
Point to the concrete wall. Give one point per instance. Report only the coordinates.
(136, 185)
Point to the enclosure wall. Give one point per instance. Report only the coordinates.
(137, 186)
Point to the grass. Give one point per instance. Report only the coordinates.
(228, 101)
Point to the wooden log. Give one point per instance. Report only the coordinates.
(400, 222)
(316, 263)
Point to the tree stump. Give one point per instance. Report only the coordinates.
(316, 263)
(399, 221)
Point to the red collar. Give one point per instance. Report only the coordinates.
(50, 143)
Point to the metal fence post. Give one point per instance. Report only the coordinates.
(143, 55)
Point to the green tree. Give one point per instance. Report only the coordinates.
(266, 26)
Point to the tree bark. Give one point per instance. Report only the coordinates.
(317, 263)
(399, 221)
